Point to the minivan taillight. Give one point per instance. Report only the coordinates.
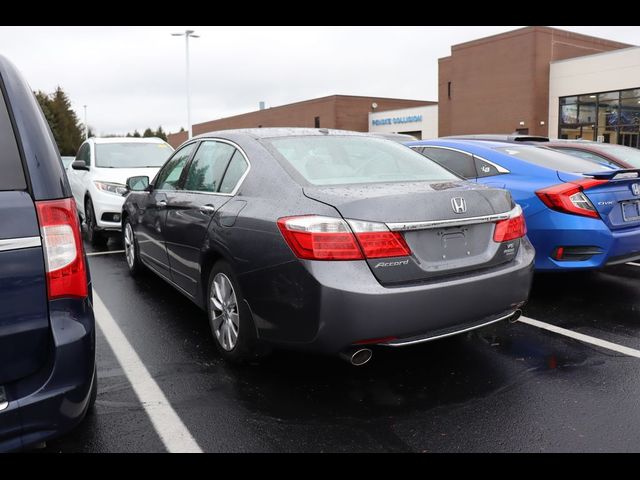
(62, 244)
(569, 197)
(314, 237)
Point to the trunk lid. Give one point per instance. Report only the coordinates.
(617, 199)
(442, 241)
(24, 319)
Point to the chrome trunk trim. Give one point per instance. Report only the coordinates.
(453, 222)
(19, 243)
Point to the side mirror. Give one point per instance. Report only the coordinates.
(79, 165)
(138, 184)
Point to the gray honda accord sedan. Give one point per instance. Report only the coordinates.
(327, 241)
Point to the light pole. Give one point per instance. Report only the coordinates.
(186, 35)
(86, 127)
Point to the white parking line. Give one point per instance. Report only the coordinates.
(634, 264)
(583, 338)
(173, 433)
(91, 254)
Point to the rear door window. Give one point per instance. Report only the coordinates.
(234, 173)
(208, 166)
(12, 174)
(459, 162)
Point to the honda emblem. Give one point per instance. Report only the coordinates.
(459, 205)
(635, 188)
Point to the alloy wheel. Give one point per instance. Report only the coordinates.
(129, 245)
(224, 310)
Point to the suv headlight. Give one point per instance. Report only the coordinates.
(115, 188)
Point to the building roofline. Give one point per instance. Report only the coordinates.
(532, 29)
(591, 55)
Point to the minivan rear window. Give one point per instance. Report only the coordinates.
(12, 177)
(339, 160)
(552, 159)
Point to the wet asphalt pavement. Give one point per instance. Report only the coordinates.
(505, 388)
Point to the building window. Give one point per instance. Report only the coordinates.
(449, 90)
(610, 117)
(316, 122)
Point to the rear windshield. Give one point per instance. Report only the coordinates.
(335, 160)
(12, 174)
(132, 155)
(626, 154)
(552, 159)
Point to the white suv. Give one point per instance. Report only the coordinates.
(99, 173)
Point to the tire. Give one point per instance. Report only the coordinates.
(229, 317)
(131, 250)
(94, 236)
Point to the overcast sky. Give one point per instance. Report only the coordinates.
(134, 77)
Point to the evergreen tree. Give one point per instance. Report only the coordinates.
(148, 133)
(136, 134)
(160, 133)
(64, 124)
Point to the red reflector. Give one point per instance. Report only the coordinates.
(62, 245)
(559, 253)
(383, 244)
(510, 229)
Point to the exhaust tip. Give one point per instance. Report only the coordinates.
(357, 356)
(516, 315)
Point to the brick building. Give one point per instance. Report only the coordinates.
(500, 84)
(346, 112)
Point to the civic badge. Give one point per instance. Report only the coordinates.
(635, 188)
(459, 205)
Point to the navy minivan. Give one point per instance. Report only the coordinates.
(47, 328)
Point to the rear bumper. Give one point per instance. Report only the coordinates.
(55, 399)
(549, 230)
(349, 306)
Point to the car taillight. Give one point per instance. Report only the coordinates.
(62, 244)
(314, 237)
(569, 197)
(377, 241)
(511, 228)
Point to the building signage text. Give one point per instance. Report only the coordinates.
(394, 120)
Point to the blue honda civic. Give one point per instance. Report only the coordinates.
(580, 214)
